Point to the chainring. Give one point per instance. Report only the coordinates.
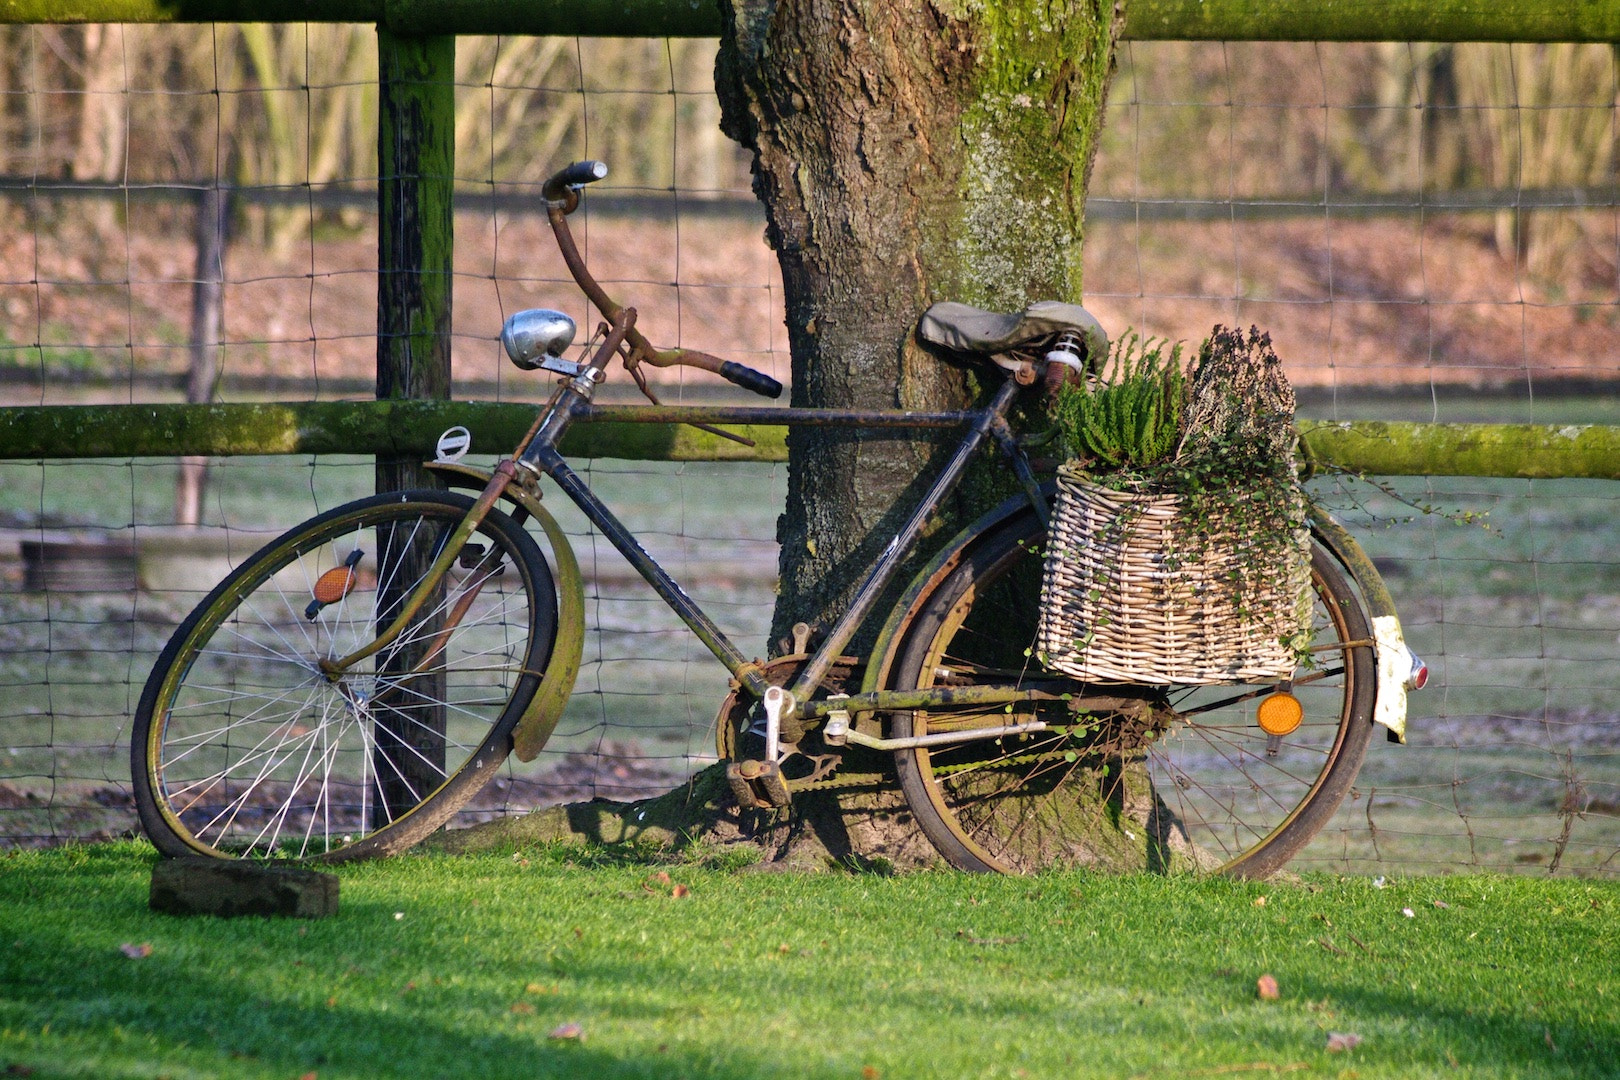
(737, 713)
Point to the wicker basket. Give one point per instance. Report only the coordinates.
(1128, 597)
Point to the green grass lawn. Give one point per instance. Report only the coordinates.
(465, 966)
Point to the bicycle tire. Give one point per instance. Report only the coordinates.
(1222, 796)
(242, 748)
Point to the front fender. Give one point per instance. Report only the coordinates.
(539, 720)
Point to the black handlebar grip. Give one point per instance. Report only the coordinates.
(749, 379)
(576, 175)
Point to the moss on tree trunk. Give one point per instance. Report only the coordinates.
(906, 152)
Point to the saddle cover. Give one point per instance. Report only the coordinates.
(970, 329)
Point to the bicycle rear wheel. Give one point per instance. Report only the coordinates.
(243, 747)
(1188, 764)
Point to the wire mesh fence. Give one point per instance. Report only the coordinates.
(1428, 232)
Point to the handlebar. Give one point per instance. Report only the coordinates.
(561, 194)
(563, 187)
(749, 379)
(737, 374)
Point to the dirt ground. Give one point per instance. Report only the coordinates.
(1377, 302)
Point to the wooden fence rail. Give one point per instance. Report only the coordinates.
(404, 429)
(1145, 20)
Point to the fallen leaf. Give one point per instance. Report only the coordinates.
(1340, 1041)
(1408, 912)
(1266, 987)
(662, 877)
(576, 1032)
(522, 1008)
(679, 891)
(1259, 901)
(1441, 904)
(869, 1073)
(311, 1075)
(537, 988)
(136, 952)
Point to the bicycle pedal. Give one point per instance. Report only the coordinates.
(757, 784)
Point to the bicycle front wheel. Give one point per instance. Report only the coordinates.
(1206, 788)
(244, 747)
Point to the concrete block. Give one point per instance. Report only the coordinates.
(226, 888)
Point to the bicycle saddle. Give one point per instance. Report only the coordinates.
(970, 329)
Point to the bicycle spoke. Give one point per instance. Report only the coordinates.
(254, 749)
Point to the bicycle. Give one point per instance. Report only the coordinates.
(353, 684)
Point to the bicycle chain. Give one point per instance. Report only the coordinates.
(834, 781)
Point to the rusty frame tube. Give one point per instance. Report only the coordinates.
(945, 738)
(545, 457)
(768, 416)
(965, 697)
(883, 571)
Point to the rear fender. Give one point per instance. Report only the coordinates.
(1394, 658)
(962, 545)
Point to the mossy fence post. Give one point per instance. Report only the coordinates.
(416, 181)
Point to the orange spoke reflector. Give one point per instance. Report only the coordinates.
(335, 584)
(1280, 713)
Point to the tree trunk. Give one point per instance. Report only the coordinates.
(907, 152)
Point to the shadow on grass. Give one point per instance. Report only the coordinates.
(1494, 1044)
(72, 1004)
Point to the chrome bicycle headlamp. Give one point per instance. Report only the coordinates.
(536, 336)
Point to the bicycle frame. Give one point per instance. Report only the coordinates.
(788, 709)
(537, 456)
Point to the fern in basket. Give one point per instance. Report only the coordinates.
(1131, 419)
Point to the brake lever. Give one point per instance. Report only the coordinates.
(632, 364)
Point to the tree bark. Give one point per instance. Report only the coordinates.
(906, 152)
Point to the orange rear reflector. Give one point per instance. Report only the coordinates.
(335, 584)
(1280, 714)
